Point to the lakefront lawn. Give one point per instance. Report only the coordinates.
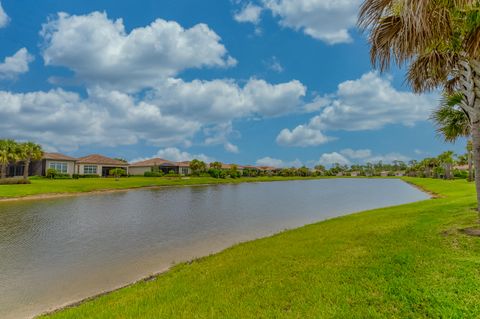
(46, 186)
(407, 261)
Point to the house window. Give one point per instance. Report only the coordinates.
(184, 171)
(59, 167)
(90, 169)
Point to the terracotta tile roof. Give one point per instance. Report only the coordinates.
(267, 168)
(100, 160)
(183, 164)
(58, 157)
(152, 162)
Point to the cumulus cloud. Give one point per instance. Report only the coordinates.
(274, 162)
(105, 118)
(219, 101)
(325, 20)
(302, 136)
(363, 156)
(16, 64)
(100, 51)
(329, 159)
(368, 103)
(176, 155)
(249, 13)
(4, 18)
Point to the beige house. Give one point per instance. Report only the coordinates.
(98, 165)
(61, 163)
(140, 168)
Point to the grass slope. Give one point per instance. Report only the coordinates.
(48, 186)
(408, 261)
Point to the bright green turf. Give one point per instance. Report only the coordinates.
(48, 186)
(408, 261)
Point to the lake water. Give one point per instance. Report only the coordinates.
(53, 252)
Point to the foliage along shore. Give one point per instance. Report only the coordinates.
(400, 262)
(48, 188)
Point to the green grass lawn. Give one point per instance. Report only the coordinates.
(409, 261)
(48, 186)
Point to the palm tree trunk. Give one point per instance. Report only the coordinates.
(476, 159)
(26, 169)
(470, 166)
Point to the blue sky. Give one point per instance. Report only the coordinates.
(272, 82)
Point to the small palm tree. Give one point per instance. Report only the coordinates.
(29, 152)
(452, 123)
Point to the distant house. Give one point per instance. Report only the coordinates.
(400, 173)
(461, 167)
(96, 164)
(384, 174)
(140, 168)
(354, 174)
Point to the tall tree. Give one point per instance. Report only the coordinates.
(439, 40)
(29, 152)
(8, 154)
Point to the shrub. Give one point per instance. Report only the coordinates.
(460, 174)
(14, 181)
(51, 172)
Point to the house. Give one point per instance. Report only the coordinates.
(140, 168)
(354, 174)
(61, 163)
(96, 164)
(461, 167)
(400, 173)
(384, 174)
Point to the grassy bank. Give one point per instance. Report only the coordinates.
(66, 186)
(409, 261)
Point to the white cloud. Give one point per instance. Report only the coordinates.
(231, 148)
(275, 65)
(176, 155)
(100, 51)
(356, 154)
(16, 64)
(4, 19)
(274, 162)
(302, 136)
(368, 103)
(363, 156)
(107, 118)
(249, 13)
(325, 20)
(219, 134)
(329, 159)
(220, 101)
(387, 158)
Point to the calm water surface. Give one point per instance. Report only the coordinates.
(54, 252)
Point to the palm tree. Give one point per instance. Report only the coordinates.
(29, 152)
(446, 160)
(440, 42)
(8, 154)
